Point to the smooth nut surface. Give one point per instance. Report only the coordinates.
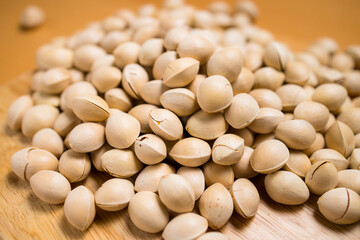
(176, 193)
(79, 208)
(291, 95)
(266, 98)
(216, 205)
(149, 178)
(74, 166)
(244, 82)
(340, 205)
(50, 186)
(48, 139)
(321, 177)
(355, 159)
(180, 72)
(105, 78)
(114, 194)
(87, 137)
(276, 55)
(349, 178)
(296, 134)
(243, 169)
(315, 113)
(245, 197)
(90, 108)
(215, 173)
(181, 101)
(341, 138)
(165, 124)
(17, 111)
(331, 95)
(298, 163)
(133, 78)
(150, 149)
(141, 113)
(328, 154)
(350, 118)
(227, 149)
(266, 120)
(119, 99)
(195, 177)
(162, 62)
(150, 203)
(214, 94)
(286, 188)
(269, 78)
(151, 91)
(65, 122)
(55, 80)
(185, 226)
(195, 47)
(269, 156)
(120, 163)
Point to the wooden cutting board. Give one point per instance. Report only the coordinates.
(23, 216)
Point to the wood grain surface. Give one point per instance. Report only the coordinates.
(23, 216)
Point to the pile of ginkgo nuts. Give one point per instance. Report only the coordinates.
(182, 105)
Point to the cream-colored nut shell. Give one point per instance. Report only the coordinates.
(226, 62)
(340, 205)
(48, 140)
(196, 47)
(266, 120)
(215, 173)
(119, 99)
(269, 156)
(126, 53)
(133, 78)
(50, 186)
(244, 82)
(161, 64)
(191, 152)
(174, 36)
(74, 166)
(87, 137)
(341, 138)
(245, 134)
(79, 208)
(43, 115)
(90, 108)
(328, 154)
(297, 72)
(180, 72)
(243, 169)
(95, 156)
(181, 101)
(266, 98)
(291, 95)
(245, 197)
(151, 91)
(149, 178)
(141, 113)
(242, 111)
(32, 16)
(298, 163)
(121, 130)
(77, 90)
(165, 124)
(214, 94)
(176, 193)
(355, 159)
(269, 78)
(85, 56)
(55, 80)
(260, 138)
(51, 56)
(17, 111)
(195, 177)
(114, 194)
(105, 78)
(45, 98)
(286, 188)
(150, 50)
(332, 95)
(349, 178)
(150, 149)
(227, 149)
(120, 163)
(206, 126)
(216, 205)
(28, 161)
(351, 118)
(185, 226)
(65, 122)
(276, 55)
(321, 177)
(296, 134)
(150, 203)
(315, 113)
(318, 144)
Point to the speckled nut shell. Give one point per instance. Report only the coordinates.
(328, 154)
(206, 126)
(214, 94)
(296, 134)
(227, 149)
(180, 72)
(321, 177)
(315, 113)
(121, 130)
(120, 163)
(242, 111)
(341, 138)
(286, 188)
(340, 206)
(215, 173)
(332, 95)
(269, 156)
(226, 62)
(150, 203)
(150, 149)
(185, 226)
(191, 152)
(165, 124)
(149, 178)
(87, 137)
(216, 205)
(245, 197)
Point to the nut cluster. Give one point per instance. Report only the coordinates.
(182, 107)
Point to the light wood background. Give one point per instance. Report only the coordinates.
(23, 216)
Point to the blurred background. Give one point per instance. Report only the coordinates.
(297, 23)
